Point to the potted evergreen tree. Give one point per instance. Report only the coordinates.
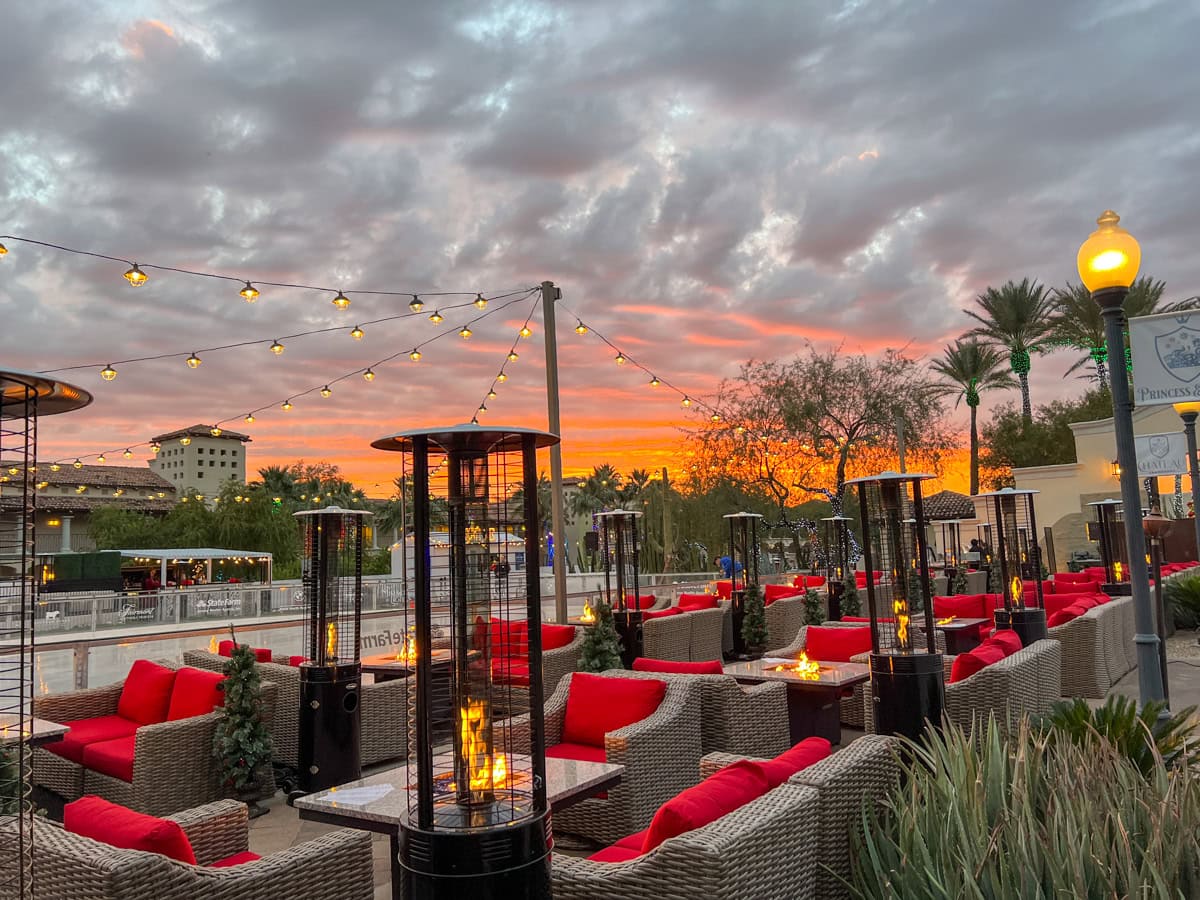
(851, 602)
(242, 743)
(754, 621)
(814, 612)
(601, 648)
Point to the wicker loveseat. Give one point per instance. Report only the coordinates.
(172, 766)
(1097, 648)
(785, 617)
(667, 636)
(334, 866)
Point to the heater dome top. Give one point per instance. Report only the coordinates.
(468, 436)
(890, 476)
(1108, 502)
(53, 396)
(333, 511)
(742, 515)
(1009, 492)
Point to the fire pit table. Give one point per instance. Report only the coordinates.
(962, 634)
(41, 731)
(814, 698)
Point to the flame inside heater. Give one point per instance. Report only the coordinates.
(213, 646)
(1018, 592)
(900, 611)
(808, 669)
(1118, 570)
(587, 615)
(485, 771)
(331, 641)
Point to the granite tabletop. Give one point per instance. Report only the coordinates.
(11, 730)
(830, 674)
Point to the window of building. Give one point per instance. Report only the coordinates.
(234, 452)
(211, 463)
(222, 464)
(212, 452)
(199, 474)
(222, 452)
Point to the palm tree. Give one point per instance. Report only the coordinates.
(969, 368)
(599, 491)
(1016, 317)
(1075, 319)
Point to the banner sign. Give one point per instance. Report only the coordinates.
(1161, 454)
(1166, 358)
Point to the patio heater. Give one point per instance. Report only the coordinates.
(1016, 551)
(331, 585)
(478, 819)
(835, 541)
(906, 669)
(619, 549)
(1108, 530)
(743, 551)
(951, 534)
(24, 398)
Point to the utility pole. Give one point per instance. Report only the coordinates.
(666, 490)
(557, 527)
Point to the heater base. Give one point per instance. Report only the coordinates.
(629, 630)
(737, 610)
(1029, 624)
(1118, 589)
(330, 738)
(836, 589)
(509, 863)
(909, 692)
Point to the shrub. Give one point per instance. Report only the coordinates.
(1182, 599)
(1142, 737)
(241, 742)
(851, 602)
(960, 585)
(1032, 817)
(814, 612)
(601, 647)
(754, 622)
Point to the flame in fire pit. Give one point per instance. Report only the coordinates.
(1018, 591)
(1118, 570)
(945, 621)
(213, 646)
(331, 641)
(587, 615)
(808, 669)
(408, 651)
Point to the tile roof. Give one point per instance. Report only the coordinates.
(96, 476)
(948, 505)
(200, 431)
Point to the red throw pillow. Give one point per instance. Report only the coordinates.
(724, 589)
(147, 693)
(1089, 602)
(117, 826)
(806, 753)
(712, 667)
(196, 693)
(967, 664)
(556, 636)
(835, 644)
(225, 648)
(295, 660)
(692, 602)
(1065, 615)
(1007, 639)
(509, 638)
(722, 792)
(598, 705)
(262, 654)
(961, 606)
(236, 860)
(645, 601)
(659, 613)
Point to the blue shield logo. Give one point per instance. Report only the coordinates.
(1179, 353)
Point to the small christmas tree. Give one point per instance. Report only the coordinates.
(754, 622)
(12, 785)
(916, 603)
(851, 603)
(960, 585)
(241, 742)
(601, 648)
(814, 614)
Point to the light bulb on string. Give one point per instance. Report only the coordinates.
(415, 304)
(54, 467)
(369, 375)
(3, 250)
(101, 458)
(193, 361)
(155, 446)
(128, 454)
(480, 301)
(502, 377)
(215, 431)
(185, 440)
(326, 392)
(249, 293)
(341, 301)
(715, 417)
(415, 355)
(436, 318)
(512, 356)
(78, 464)
(108, 373)
(276, 348)
(619, 359)
(286, 406)
(482, 408)
(525, 331)
(686, 401)
(357, 333)
(654, 382)
(135, 276)
(464, 332)
(580, 328)
(492, 394)
(249, 418)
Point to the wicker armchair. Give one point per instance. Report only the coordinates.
(734, 718)
(863, 772)
(785, 617)
(705, 639)
(334, 866)
(851, 706)
(660, 755)
(668, 637)
(1088, 642)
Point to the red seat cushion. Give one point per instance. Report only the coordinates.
(196, 693)
(967, 664)
(581, 752)
(644, 601)
(90, 731)
(113, 758)
(711, 667)
(633, 841)
(779, 591)
(720, 793)
(615, 854)
(836, 644)
(697, 601)
(808, 581)
(598, 705)
(509, 638)
(961, 606)
(660, 613)
(117, 826)
(225, 648)
(295, 660)
(510, 670)
(804, 754)
(724, 589)
(147, 693)
(236, 860)
(1007, 639)
(555, 636)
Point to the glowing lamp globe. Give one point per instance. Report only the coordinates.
(1185, 407)
(1110, 257)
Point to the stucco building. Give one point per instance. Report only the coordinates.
(195, 458)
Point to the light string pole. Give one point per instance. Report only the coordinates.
(1188, 412)
(550, 295)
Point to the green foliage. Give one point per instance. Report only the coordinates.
(377, 562)
(1032, 817)
(241, 742)
(12, 784)
(959, 585)
(1142, 737)
(601, 648)
(851, 601)
(1182, 599)
(916, 600)
(754, 622)
(814, 610)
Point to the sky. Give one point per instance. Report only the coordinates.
(707, 182)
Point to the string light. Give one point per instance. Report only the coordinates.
(580, 328)
(185, 440)
(482, 408)
(128, 454)
(415, 304)
(512, 356)
(108, 373)
(326, 392)
(155, 446)
(357, 333)
(716, 417)
(465, 332)
(276, 348)
(502, 377)
(249, 293)
(654, 382)
(687, 401)
(215, 431)
(54, 467)
(3, 250)
(286, 406)
(341, 301)
(480, 301)
(492, 394)
(249, 418)
(101, 458)
(78, 464)
(525, 331)
(369, 375)
(415, 354)
(620, 359)
(193, 361)
(135, 276)
(436, 318)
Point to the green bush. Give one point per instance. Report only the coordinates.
(1181, 596)
(601, 648)
(1032, 817)
(814, 612)
(754, 622)
(851, 602)
(1143, 737)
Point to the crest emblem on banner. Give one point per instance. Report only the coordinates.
(1160, 446)
(1179, 353)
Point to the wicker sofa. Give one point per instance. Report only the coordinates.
(785, 617)
(1097, 648)
(705, 636)
(334, 866)
(173, 765)
(667, 637)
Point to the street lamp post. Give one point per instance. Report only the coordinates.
(1108, 263)
(1188, 411)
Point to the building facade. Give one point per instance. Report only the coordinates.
(195, 458)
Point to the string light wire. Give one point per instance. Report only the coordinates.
(510, 356)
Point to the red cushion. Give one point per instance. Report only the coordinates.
(961, 606)
(1057, 601)
(508, 638)
(633, 841)
(598, 705)
(147, 693)
(90, 731)
(195, 693)
(860, 619)
(659, 613)
(615, 854)
(236, 860)
(967, 664)
(295, 660)
(778, 591)
(812, 581)
(1007, 639)
(582, 752)
(712, 667)
(262, 654)
(804, 754)
(225, 648)
(644, 601)
(836, 644)
(1090, 602)
(1065, 615)
(113, 758)
(724, 589)
(720, 793)
(117, 826)
(697, 601)
(510, 670)
(555, 636)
